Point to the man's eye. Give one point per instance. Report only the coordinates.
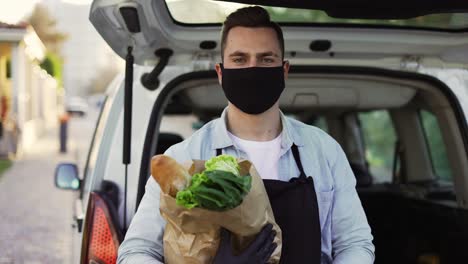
(268, 60)
(238, 60)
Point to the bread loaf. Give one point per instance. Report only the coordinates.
(169, 174)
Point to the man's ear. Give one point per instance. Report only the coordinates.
(286, 69)
(219, 72)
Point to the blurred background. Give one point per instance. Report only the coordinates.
(51, 60)
(54, 67)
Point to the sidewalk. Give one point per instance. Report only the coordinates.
(36, 217)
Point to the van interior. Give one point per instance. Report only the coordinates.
(400, 131)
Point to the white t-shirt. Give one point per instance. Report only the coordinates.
(263, 154)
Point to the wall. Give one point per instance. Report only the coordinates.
(34, 107)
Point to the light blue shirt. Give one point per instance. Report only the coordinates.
(346, 235)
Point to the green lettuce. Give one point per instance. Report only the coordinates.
(223, 163)
(219, 187)
(186, 199)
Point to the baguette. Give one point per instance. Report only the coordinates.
(169, 174)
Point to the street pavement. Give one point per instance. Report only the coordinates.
(35, 216)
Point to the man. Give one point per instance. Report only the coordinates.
(306, 174)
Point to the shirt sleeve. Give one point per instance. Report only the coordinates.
(143, 241)
(351, 233)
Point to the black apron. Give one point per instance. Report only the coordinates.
(296, 211)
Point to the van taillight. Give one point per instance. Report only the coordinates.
(100, 236)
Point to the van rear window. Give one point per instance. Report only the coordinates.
(215, 12)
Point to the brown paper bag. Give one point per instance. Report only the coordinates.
(193, 235)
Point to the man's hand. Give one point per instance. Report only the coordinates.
(259, 250)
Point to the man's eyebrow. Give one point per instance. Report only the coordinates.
(267, 53)
(238, 53)
(261, 54)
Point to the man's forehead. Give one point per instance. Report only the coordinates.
(238, 31)
(243, 38)
(244, 28)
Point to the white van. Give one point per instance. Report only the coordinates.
(390, 85)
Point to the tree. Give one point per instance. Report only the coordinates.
(53, 65)
(45, 26)
(317, 16)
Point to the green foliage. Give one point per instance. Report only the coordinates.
(45, 26)
(8, 68)
(379, 138)
(52, 64)
(436, 144)
(215, 190)
(223, 163)
(219, 187)
(316, 16)
(5, 164)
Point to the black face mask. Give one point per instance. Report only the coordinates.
(253, 90)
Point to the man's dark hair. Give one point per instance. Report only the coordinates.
(253, 17)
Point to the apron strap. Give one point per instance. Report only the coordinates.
(297, 158)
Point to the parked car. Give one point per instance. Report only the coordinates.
(76, 106)
(388, 87)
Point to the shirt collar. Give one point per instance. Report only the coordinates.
(221, 137)
(222, 140)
